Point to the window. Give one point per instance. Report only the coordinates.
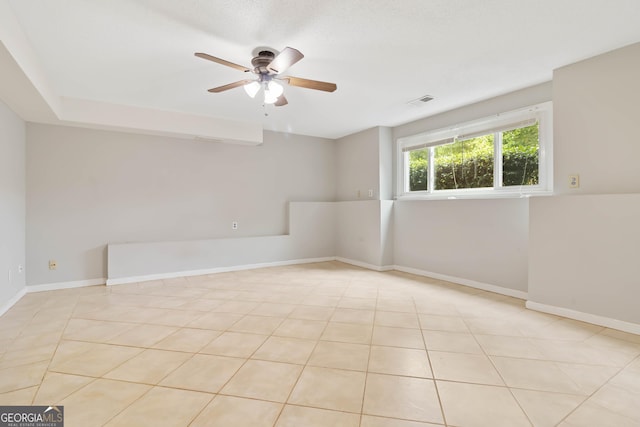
(502, 155)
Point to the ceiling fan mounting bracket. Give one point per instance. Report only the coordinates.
(268, 53)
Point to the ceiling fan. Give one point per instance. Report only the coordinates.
(268, 66)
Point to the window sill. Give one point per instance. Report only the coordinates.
(485, 194)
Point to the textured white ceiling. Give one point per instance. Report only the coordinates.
(381, 54)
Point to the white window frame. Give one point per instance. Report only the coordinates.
(542, 113)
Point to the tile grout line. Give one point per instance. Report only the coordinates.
(366, 372)
(600, 388)
(433, 376)
(54, 354)
(300, 374)
(484, 352)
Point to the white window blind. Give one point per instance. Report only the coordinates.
(502, 128)
(428, 144)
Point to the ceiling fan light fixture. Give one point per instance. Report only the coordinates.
(272, 91)
(275, 88)
(269, 97)
(252, 88)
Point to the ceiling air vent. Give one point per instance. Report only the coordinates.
(421, 101)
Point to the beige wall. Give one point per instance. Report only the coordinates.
(584, 242)
(584, 254)
(596, 110)
(12, 205)
(87, 188)
(358, 165)
(311, 238)
(482, 240)
(364, 162)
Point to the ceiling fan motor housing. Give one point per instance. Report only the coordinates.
(261, 61)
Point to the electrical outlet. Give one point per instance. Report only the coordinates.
(358, 195)
(53, 264)
(20, 268)
(574, 181)
(370, 193)
(234, 225)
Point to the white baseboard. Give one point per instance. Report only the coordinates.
(65, 285)
(466, 282)
(595, 319)
(172, 275)
(48, 287)
(364, 264)
(6, 306)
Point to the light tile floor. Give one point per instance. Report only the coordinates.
(322, 344)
